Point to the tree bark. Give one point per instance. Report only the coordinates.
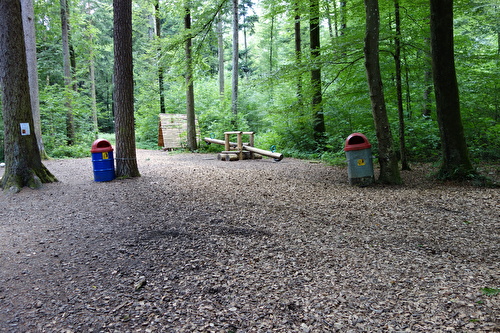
(23, 164)
(427, 103)
(298, 52)
(93, 94)
(343, 17)
(271, 48)
(30, 42)
(70, 122)
(220, 45)
(126, 160)
(317, 98)
(456, 163)
(190, 114)
(160, 66)
(389, 171)
(235, 74)
(399, 89)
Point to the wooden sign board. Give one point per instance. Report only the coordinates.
(172, 130)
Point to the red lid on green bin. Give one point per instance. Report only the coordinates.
(101, 146)
(356, 141)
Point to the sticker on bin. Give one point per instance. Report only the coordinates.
(105, 155)
(361, 162)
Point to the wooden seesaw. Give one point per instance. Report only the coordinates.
(239, 150)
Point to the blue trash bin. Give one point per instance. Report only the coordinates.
(103, 161)
(359, 160)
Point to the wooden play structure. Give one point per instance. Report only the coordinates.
(239, 150)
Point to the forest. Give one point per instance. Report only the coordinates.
(183, 242)
(276, 97)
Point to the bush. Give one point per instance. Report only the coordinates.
(422, 140)
(76, 151)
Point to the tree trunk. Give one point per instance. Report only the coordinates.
(427, 103)
(329, 19)
(93, 95)
(190, 114)
(317, 98)
(271, 48)
(30, 42)
(298, 53)
(70, 122)
(126, 160)
(234, 87)
(245, 45)
(389, 171)
(343, 17)
(399, 89)
(160, 66)
(456, 163)
(23, 164)
(220, 43)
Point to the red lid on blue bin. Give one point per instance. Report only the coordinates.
(356, 141)
(101, 146)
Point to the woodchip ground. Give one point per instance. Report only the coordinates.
(201, 245)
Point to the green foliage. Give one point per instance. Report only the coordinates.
(81, 150)
(53, 116)
(490, 291)
(269, 103)
(422, 140)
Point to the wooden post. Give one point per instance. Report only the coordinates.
(250, 143)
(239, 141)
(250, 140)
(226, 139)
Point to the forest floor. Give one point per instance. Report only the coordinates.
(201, 245)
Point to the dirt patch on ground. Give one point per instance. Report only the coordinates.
(200, 245)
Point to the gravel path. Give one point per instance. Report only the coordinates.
(200, 245)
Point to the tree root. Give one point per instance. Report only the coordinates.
(32, 178)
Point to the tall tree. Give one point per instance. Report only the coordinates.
(456, 163)
(343, 17)
(93, 95)
(160, 65)
(271, 47)
(235, 74)
(427, 99)
(126, 159)
(298, 49)
(30, 42)
(190, 114)
(23, 164)
(220, 51)
(68, 77)
(399, 87)
(247, 26)
(389, 171)
(317, 98)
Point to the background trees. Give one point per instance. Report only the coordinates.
(275, 92)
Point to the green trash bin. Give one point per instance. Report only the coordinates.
(359, 160)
